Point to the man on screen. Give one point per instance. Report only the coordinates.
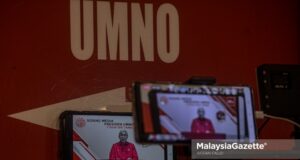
(202, 124)
(123, 150)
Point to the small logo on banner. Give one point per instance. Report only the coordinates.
(80, 122)
(163, 100)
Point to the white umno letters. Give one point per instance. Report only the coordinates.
(172, 54)
(113, 31)
(142, 32)
(82, 50)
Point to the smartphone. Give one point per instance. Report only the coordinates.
(177, 113)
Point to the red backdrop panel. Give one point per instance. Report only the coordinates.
(224, 39)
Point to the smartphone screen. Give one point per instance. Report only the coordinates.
(195, 116)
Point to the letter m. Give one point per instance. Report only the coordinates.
(199, 146)
(112, 29)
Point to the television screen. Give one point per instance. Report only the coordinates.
(98, 136)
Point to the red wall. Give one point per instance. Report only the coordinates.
(226, 39)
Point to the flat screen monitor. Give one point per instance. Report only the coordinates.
(102, 136)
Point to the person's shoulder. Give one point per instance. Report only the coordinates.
(131, 144)
(196, 120)
(115, 144)
(207, 119)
